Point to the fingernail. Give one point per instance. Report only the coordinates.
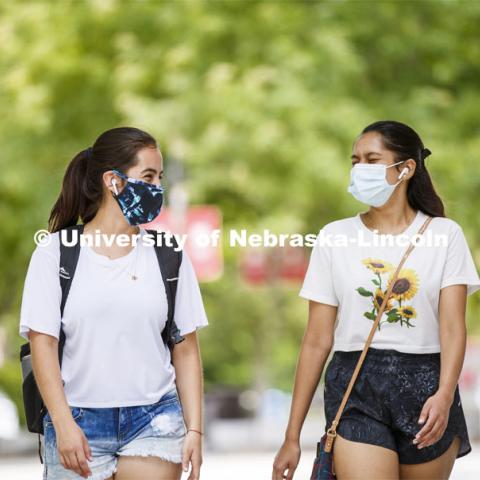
(421, 420)
(420, 447)
(415, 441)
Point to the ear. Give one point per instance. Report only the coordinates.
(411, 164)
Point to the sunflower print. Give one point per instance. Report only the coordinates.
(404, 289)
(406, 285)
(378, 299)
(377, 266)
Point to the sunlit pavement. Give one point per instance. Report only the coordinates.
(254, 466)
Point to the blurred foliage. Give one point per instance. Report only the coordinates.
(261, 101)
(10, 383)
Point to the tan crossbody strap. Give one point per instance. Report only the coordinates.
(331, 432)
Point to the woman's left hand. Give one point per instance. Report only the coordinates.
(192, 453)
(435, 412)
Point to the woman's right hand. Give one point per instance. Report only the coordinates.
(73, 448)
(287, 458)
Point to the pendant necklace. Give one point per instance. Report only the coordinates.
(133, 275)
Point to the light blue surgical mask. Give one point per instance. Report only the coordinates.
(368, 183)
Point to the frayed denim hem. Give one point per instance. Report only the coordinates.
(151, 453)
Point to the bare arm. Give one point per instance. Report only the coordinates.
(189, 378)
(316, 345)
(453, 338)
(72, 445)
(46, 370)
(315, 349)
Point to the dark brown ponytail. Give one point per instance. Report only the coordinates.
(82, 187)
(406, 143)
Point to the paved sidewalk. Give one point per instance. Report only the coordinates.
(254, 466)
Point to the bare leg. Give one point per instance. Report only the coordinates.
(358, 461)
(438, 469)
(146, 468)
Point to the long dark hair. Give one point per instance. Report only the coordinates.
(82, 187)
(405, 143)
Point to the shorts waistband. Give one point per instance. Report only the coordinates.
(387, 356)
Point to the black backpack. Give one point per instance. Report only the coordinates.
(169, 261)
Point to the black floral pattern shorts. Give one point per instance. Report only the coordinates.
(386, 400)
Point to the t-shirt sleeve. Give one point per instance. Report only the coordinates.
(189, 310)
(42, 295)
(459, 266)
(318, 283)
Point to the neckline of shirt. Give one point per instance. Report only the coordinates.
(104, 260)
(408, 231)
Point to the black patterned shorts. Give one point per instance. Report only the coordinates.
(386, 400)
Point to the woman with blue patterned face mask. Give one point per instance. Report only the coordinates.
(132, 376)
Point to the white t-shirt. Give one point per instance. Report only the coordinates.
(114, 354)
(351, 277)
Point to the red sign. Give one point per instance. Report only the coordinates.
(201, 230)
(263, 265)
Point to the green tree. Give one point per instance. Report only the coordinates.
(261, 101)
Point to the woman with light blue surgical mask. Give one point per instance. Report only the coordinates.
(403, 417)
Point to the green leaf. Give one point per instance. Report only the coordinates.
(369, 315)
(363, 292)
(376, 282)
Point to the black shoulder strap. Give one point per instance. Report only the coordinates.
(69, 253)
(169, 261)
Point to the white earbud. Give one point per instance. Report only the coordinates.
(114, 183)
(403, 173)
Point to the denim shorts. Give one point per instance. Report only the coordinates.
(386, 400)
(148, 430)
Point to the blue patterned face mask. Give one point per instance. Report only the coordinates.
(139, 201)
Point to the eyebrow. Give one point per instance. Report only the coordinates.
(368, 154)
(150, 170)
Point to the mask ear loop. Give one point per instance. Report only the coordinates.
(396, 163)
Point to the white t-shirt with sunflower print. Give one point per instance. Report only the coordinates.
(354, 274)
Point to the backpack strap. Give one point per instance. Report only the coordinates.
(169, 261)
(68, 263)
